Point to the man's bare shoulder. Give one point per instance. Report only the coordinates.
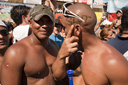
(18, 49)
(54, 44)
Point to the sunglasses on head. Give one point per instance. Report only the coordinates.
(4, 32)
(118, 12)
(68, 13)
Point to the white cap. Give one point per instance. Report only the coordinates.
(119, 11)
(105, 22)
(2, 23)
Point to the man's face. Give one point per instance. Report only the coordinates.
(27, 18)
(42, 28)
(65, 27)
(57, 29)
(4, 38)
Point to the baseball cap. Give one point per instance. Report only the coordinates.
(119, 11)
(2, 23)
(106, 22)
(57, 21)
(40, 10)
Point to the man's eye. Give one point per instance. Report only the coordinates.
(63, 27)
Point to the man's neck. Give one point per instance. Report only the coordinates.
(36, 41)
(88, 43)
(22, 24)
(55, 34)
(124, 34)
(2, 52)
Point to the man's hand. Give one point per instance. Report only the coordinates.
(69, 45)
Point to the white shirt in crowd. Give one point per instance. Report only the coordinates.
(20, 32)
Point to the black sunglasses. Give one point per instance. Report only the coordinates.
(4, 32)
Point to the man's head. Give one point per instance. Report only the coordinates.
(20, 14)
(74, 15)
(42, 21)
(119, 13)
(106, 23)
(106, 34)
(57, 28)
(4, 36)
(124, 21)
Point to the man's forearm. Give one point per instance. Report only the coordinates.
(59, 68)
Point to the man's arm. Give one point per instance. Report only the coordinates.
(116, 69)
(52, 4)
(69, 46)
(112, 25)
(12, 66)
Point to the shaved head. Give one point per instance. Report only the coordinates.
(83, 11)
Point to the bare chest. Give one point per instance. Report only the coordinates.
(38, 64)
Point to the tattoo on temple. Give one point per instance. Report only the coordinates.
(72, 20)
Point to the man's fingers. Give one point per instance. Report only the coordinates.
(74, 49)
(70, 32)
(72, 45)
(74, 39)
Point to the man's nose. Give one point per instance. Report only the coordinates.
(1, 36)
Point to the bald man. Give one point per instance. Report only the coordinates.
(101, 64)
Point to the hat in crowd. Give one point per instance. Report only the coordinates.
(57, 21)
(106, 22)
(2, 23)
(40, 10)
(119, 11)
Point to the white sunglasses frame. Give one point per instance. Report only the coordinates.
(75, 16)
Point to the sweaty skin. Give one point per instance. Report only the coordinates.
(4, 42)
(101, 64)
(29, 61)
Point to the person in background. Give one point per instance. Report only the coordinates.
(10, 29)
(62, 33)
(120, 42)
(20, 15)
(99, 60)
(103, 23)
(116, 24)
(55, 36)
(4, 42)
(106, 34)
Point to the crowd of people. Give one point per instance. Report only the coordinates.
(37, 49)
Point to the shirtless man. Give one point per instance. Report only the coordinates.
(101, 64)
(29, 61)
(4, 41)
(117, 22)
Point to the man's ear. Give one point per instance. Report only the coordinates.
(30, 23)
(77, 29)
(105, 38)
(23, 17)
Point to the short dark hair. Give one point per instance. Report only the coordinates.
(17, 12)
(124, 21)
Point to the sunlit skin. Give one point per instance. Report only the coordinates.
(4, 42)
(100, 62)
(32, 57)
